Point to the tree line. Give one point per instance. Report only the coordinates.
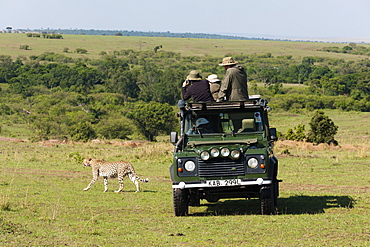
(351, 48)
(140, 33)
(81, 98)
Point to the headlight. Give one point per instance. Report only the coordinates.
(215, 152)
(225, 152)
(235, 154)
(204, 155)
(253, 163)
(189, 166)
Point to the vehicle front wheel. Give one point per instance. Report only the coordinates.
(267, 200)
(181, 202)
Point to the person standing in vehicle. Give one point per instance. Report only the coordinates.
(214, 85)
(234, 85)
(197, 88)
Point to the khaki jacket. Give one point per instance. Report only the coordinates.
(215, 88)
(234, 85)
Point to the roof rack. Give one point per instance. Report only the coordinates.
(253, 101)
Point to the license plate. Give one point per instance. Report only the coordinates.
(227, 182)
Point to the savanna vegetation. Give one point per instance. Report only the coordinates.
(54, 102)
(324, 197)
(64, 97)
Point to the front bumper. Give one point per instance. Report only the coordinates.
(205, 184)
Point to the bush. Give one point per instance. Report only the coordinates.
(322, 130)
(298, 134)
(115, 128)
(81, 51)
(24, 47)
(83, 132)
(152, 118)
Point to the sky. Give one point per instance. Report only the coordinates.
(291, 19)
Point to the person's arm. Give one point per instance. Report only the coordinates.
(185, 93)
(225, 86)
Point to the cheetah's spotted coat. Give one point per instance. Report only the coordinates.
(112, 169)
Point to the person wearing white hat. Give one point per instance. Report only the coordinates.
(214, 85)
(234, 85)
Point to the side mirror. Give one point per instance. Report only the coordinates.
(173, 137)
(273, 134)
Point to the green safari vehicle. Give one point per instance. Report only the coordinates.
(224, 150)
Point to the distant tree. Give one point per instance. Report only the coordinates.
(24, 47)
(115, 128)
(37, 35)
(123, 82)
(81, 50)
(152, 118)
(118, 34)
(157, 48)
(347, 48)
(52, 36)
(322, 129)
(308, 60)
(83, 132)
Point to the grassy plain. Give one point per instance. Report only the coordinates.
(324, 197)
(10, 43)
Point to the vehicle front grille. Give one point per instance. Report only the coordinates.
(221, 168)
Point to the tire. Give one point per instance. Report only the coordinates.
(275, 187)
(267, 200)
(181, 202)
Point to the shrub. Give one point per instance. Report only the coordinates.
(322, 130)
(152, 118)
(81, 51)
(298, 134)
(83, 132)
(115, 128)
(24, 47)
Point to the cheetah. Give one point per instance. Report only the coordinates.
(112, 169)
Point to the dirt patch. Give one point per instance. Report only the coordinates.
(48, 173)
(8, 139)
(52, 143)
(127, 143)
(120, 143)
(312, 146)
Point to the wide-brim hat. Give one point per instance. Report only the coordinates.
(201, 121)
(213, 78)
(194, 75)
(228, 61)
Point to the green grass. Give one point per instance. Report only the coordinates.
(9, 45)
(324, 197)
(353, 126)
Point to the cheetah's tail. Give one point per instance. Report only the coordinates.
(143, 180)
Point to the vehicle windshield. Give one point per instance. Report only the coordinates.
(211, 122)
